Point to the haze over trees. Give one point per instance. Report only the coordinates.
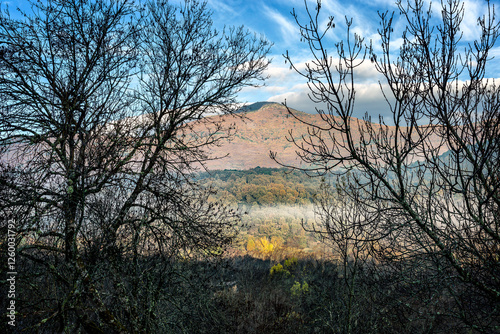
(97, 154)
(105, 122)
(423, 195)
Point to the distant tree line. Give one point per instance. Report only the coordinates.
(262, 186)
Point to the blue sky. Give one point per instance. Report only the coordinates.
(272, 19)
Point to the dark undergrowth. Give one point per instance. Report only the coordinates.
(248, 295)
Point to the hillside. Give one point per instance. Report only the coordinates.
(263, 127)
(260, 128)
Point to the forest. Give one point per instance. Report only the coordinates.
(110, 221)
(276, 206)
(262, 186)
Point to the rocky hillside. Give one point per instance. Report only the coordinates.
(260, 128)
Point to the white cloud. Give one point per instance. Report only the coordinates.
(369, 99)
(288, 29)
(472, 11)
(286, 84)
(278, 72)
(223, 7)
(298, 100)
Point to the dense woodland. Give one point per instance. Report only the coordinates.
(262, 186)
(276, 206)
(106, 119)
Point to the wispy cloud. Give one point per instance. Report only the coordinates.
(222, 6)
(288, 29)
(473, 10)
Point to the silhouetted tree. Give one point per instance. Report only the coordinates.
(98, 144)
(427, 185)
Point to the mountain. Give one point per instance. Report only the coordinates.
(255, 106)
(263, 127)
(260, 128)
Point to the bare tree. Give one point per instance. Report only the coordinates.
(429, 182)
(98, 150)
(345, 227)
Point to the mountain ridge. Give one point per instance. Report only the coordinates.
(262, 127)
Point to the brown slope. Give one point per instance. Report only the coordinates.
(259, 132)
(267, 129)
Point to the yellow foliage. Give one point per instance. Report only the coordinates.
(250, 244)
(278, 270)
(297, 289)
(265, 246)
(277, 242)
(291, 263)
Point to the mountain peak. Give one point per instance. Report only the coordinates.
(264, 128)
(257, 106)
(271, 109)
